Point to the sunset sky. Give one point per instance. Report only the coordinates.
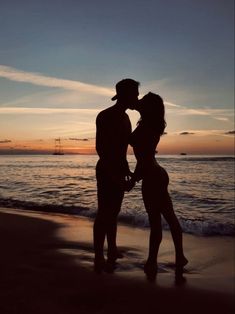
(60, 61)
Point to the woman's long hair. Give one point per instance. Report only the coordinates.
(152, 111)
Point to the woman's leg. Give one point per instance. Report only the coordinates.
(154, 215)
(155, 237)
(175, 228)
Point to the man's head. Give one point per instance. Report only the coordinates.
(127, 92)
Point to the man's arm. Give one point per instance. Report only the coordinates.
(102, 136)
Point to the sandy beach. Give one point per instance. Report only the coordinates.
(46, 266)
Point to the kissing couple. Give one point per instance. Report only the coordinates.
(114, 178)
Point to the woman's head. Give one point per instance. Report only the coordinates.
(152, 112)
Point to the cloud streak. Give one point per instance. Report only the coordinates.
(5, 141)
(25, 110)
(76, 94)
(13, 74)
(230, 133)
(187, 133)
(78, 139)
(206, 132)
(216, 113)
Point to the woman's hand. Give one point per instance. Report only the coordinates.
(129, 184)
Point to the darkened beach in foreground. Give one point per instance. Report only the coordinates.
(47, 267)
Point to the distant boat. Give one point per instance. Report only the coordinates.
(183, 154)
(58, 147)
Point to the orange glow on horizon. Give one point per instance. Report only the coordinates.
(169, 144)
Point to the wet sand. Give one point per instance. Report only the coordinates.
(46, 266)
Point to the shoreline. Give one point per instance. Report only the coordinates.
(200, 229)
(47, 267)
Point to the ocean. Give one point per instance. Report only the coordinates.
(201, 187)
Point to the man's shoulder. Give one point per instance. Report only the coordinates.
(111, 116)
(106, 113)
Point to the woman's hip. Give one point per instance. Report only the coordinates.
(156, 178)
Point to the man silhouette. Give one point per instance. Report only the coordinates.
(113, 128)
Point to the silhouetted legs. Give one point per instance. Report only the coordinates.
(155, 237)
(99, 236)
(176, 231)
(157, 201)
(109, 204)
(105, 225)
(112, 235)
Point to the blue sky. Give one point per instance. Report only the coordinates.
(181, 49)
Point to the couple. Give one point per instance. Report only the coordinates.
(113, 134)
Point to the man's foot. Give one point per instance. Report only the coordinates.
(99, 264)
(150, 269)
(110, 266)
(114, 256)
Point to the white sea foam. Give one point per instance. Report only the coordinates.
(203, 196)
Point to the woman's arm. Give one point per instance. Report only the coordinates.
(138, 173)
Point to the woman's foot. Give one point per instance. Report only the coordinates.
(181, 261)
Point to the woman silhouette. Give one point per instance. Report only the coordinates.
(144, 140)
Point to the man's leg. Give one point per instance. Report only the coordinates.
(99, 236)
(99, 228)
(112, 216)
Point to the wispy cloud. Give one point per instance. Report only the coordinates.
(72, 95)
(206, 132)
(187, 133)
(23, 110)
(183, 97)
(78, 139)
(170, 104)
(13, 74)
(224, 115)
(182, 110)
(230, 133)
(221, 119)
(5, 141)
(59, 99)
